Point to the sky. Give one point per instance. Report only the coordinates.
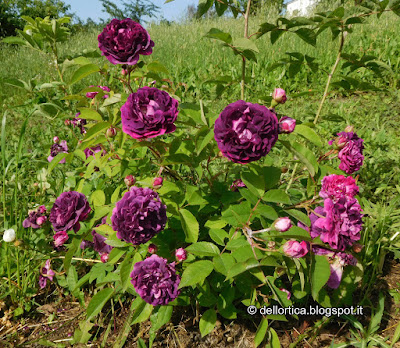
(93, 9)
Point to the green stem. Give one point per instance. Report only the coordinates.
(328, 82)
(292, 177)
(246, 36)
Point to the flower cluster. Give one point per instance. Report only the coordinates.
(155, 280)
(68, 209)
(122, 41)
(351, 151)
(139, 216)
(336, 186)
(77, 122)
(56, 148)
(148, 113)
(36, 218)
(246, 132)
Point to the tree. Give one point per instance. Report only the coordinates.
(135, 9)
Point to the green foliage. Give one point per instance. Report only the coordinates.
(134, 9)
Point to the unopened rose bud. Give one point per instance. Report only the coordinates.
(287, 125)
(279, 95)
(130, 180)
(42, 209)
(181, 254)
(56, 140)
(349, 129)
(271, 244)
(283, 224)
(111, 132)
(124, 72)
(9, 235)
(284, 170)
(357, 248)
(157, 183)
(41, 220)
(67, 122)
(340, 142)
(295, 249)
(288, 293)
(104, 258)
(152, 249)
(220, 154)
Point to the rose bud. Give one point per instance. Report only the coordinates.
(288, 293)
(357, 248)
(124, 72)
(104, 258)
(60, 238)
(111, 132)
(295, 249)
(130, 180)
(67, 122)
(279, 95)
(349, 129)
(286, 125)
(152, 249)
(181, 254)
(284, 170)
(42, 209)
(41, 220)
(56, 140)
(340, 142)
(9, 235)
(157, 183)
(271, 244)
(283, 224)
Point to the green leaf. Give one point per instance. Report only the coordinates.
(242, 267)
(97, 302)
(277, 196)
(377, 317)
(203, 249)
(215, 33)
(265, 28)
(196, 273)
(237, 215)
(90, 114)
(304, 155)
(245, 44)
(274, 339)
(218, 236)
(74, 246)
(309, 134)
(261, 332)
(207, 322)
(83, 71)
(190, 225)
(254, 182)
(307, 35)
(143, 315)
(267, 212)
(157, 67)
(276, 34)
(56, 160)
(299, 215)
(96, 130)
(223, 263)
(320, 273)
(14, 40)
(98, 198)
(126, 269)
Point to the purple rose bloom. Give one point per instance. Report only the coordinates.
(36, 218)
(92, 95)
(45, 273)
(336, 262)
(350, 155)
(286, 125)
(122, 41)
(99, 244)
(155, 280)
(148, 113)
(139, 216)
(336, 186)
(341, 225)
(60, 238)
(295, 249)
(68, 209)
(56, 149)
(246, 132)
(91, 151)
(79, 122)
(237, 184)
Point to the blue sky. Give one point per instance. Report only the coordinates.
(93, 9)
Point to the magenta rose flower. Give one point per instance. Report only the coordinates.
(152, 249)
(46, 273)
(60, 238)
(181, 254)
(99, 241)
(79, 122)
(92, 95)
(295, 249)
(351, 151)
(91, 151)
(148, 113)
(155, 280)
(36, 218)
(68, 209)
(57, 148)
(336, 186)
(279, 95)
(287, 125)
(237, 184)
(122, 41)
(246, 132)
(139, 216)
(341, 223)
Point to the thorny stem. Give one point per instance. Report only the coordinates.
(328, 82)
(246, 36)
